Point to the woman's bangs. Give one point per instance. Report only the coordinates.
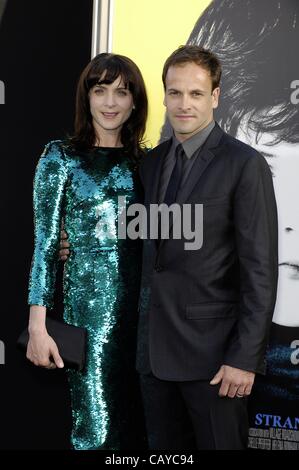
(107, 75)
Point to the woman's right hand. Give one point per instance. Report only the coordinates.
(41, 349)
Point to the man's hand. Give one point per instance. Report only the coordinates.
(234, 382)
(64, 246)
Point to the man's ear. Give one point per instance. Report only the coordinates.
(215, 97)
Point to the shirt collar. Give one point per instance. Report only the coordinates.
(192, 144)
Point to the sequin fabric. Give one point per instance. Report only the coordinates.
(101, 282)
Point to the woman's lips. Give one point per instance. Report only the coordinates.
(110, 115)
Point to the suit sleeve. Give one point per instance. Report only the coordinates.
(256, 232)
(48, 191)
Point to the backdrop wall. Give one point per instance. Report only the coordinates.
(43, 48)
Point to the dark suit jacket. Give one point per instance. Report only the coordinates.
(201, 309)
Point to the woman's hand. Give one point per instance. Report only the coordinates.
(41, 349)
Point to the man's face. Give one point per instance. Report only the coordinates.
(189, 99)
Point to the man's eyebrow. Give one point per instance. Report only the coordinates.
(267, 155)
(191, 91)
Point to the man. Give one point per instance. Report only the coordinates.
(205, 314)
(259, 92)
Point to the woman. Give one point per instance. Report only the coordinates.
(81, 179)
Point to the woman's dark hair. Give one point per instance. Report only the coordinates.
(198, 55)
(106, 68)
(256, 43)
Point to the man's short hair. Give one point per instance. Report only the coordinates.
(198, 55)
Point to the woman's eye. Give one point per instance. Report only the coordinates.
(99, 91)
(122, 92)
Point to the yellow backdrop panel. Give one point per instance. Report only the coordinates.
(147, 31)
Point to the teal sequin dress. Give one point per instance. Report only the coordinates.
(101, 283)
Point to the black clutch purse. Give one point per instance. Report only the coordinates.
(70, 340)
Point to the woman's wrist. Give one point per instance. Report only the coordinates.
(37, 319)
(36, 329)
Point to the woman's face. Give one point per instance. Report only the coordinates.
(110, 106)
(283, 159)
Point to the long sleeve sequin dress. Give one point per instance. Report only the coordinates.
(101, 283)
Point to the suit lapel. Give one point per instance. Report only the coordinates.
(203, 160)
(201, 163)
(154, 190)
